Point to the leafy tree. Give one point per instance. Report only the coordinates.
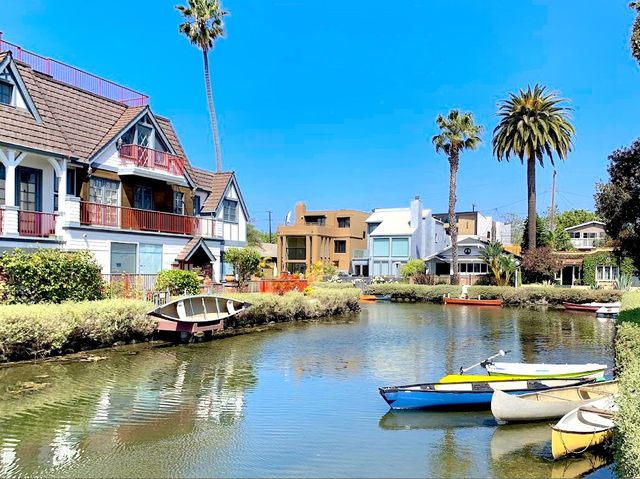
(178, 282)
(618, 201)
(558, 239)
(635, 32)
(203, 26)
(245, 261)
(254, 238)
(532, 125)
(458, 133)
(541, 233)
(413, 266)
(501, 264)
(540, 264)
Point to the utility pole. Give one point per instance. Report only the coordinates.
(269, 211)
(552, 213)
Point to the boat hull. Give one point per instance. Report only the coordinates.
(473, 302)
(531, 370)
(200, 309)
(564, 443)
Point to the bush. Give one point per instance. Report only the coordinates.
(178, 282)
(245, 261)
(28, 331)
(415, 292)
(327, 285)
(50, 276)
(412, 267)
(630, 307)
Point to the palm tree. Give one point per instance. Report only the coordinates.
(203, 26)
(459, 133)
(492, 256)
(532, 125)
(635, 32)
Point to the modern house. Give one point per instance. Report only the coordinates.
(269, 264)
(328, 236)
(86, 164)
(397, 235)
(587, 236)
(474, 223)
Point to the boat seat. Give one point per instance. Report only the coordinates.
(181, 310)
(230, 308)
(594, 410)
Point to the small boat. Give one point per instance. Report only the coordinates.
(542, 405)
(593, 307)
(469, 394)
(473, 302)
(200, 309)
(536, 370)
(608, 312)
(368, 298)
(383, 297)
(583, 427)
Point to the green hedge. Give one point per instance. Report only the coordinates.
(510, 295)
(630, 308)
(37, 330)
(325, 285)
(49, 276)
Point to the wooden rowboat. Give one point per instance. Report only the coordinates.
(465, 395)
(200, 309)
(473, 302)
(543, 405)
(533, 370)
(583, 427)
(592, 307)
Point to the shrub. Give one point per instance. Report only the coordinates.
(630, 308)
(421, 278)
(414, 266)
(245, 261)
(415, 292)
(50, 276)
(540, 264)
(326, 285)
(38, 330)
(591, 261)
(179, 282)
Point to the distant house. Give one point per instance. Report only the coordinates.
(587, 236)
(397, 235)
(474, 223)
(269, 265)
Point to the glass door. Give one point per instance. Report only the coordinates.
(29, 191)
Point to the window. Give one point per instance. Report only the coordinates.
(103, 192)
(606, 273)
(178, 203)
(143, 198)
(315, 220)
(2, 183)
(473, 268)
(344, 222)
(400, 247)
(380, 268)
(230, 211)
(144, 136)
(28, 192)
(340, 246)
(372, 226)
(296, 247)
(123, 258)
(71, 181)
(6, 93)
(56, 191)
(381, 247)
(196, 205)
(575, 235)
(296, 268)
(150, 258)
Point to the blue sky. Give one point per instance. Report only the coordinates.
(334, 102)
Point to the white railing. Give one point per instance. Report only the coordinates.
(583, 243)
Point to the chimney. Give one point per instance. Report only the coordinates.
(301, 209)
(416, 212)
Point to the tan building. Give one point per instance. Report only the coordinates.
(327, 236)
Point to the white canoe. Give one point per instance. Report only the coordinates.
(552, 404)
(583, 427)
(541, 370)
(200, 309)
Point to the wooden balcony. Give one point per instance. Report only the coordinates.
(134, 155)
(34, 223)
(135, 219)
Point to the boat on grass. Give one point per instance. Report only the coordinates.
(552, 404)
(592, 307)
(534, 370)
(465, 394)
(473, 302)
(583, 427)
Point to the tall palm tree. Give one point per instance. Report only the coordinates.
(458, 133)
(635, 32)
(532, 124)
(203, 26)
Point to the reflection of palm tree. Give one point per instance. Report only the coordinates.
(451, 459)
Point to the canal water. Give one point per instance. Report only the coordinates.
(299, 400)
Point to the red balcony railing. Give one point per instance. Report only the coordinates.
(34, 223)
(73, 76)
(135, 219)
(154, 159)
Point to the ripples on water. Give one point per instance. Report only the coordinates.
(298, 401)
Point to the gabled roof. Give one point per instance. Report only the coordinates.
(592, 222)
(191, 247)
(217, 187)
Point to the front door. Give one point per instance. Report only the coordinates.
(567, 276)
(29, 191)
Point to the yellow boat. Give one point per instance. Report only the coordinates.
(582, 428)
(473, 378)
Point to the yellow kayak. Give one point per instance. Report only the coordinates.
(471, 378)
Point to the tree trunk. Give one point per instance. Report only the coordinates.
(453, 221)
(212, 111)
(531, 198)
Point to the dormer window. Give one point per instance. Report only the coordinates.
(144, 134)
(6, 93)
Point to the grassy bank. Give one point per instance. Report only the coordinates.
(627, 442)
(511, 296)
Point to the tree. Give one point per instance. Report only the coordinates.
(635, 32)
(532, 125)
(618, 201)
(517, 226)
(245, 261)
(540, 264)
(574, 217)
(413, 266)
(458, 133)
(501, 264)
(203, 26)
(541, 233)
(254, 238)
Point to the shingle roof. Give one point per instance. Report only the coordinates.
(167, 127)
(218, 187)
(187, 248)
(127, 117)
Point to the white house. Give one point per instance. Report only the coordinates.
(86, 164)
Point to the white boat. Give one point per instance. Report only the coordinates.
(541, 370)
(608, 312)
(200, 309)
(543, 405)
(583, 427)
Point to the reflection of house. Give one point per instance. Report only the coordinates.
(397, 235)
(86, 164)
(326, 236)
(587, 235)
(269, 264)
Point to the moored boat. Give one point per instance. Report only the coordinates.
(608, 312)
(533, 370)
(553, 404)
(468, 394)
(196, 310)
(593, 307)
(367, 298)
(583, 427)
(473, 302)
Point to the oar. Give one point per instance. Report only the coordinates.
(500, 353)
